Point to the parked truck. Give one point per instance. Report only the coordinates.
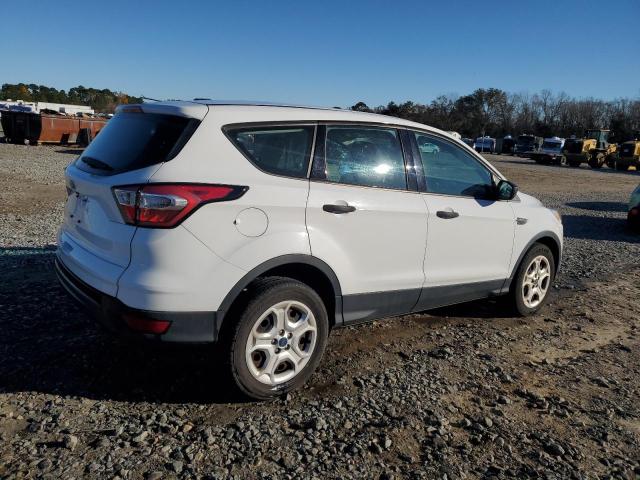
(526, 144)
(628, 155)
(485, 144)
(550, 152)
(507, 145)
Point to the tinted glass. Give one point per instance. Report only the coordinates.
(449, 170)
(136, 140)
(279, 150)
(367, 156)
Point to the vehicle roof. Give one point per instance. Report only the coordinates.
(237, 111)
(257, 103)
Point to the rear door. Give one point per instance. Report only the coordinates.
(94, 241)
(364, 222)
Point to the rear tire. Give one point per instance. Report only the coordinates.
(532, 281)
(279, 338)
(621, 167)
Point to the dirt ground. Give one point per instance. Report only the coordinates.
(459, 392)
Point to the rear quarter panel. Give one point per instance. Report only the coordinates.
(210, 157)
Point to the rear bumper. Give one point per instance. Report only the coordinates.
(183, 327)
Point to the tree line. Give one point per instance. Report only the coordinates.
(497, 113)
(103, 100)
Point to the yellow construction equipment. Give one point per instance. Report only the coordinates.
(594, 148)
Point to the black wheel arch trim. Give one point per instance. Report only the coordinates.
(525, 250)
(281, 261)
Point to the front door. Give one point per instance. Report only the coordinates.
(470, 239)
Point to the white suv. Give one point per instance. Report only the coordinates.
(263, 227)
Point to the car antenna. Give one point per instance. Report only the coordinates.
(152, 99)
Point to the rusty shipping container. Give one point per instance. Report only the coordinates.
(47, 128)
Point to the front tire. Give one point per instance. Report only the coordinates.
(533, 280)
(596, 161)
(279, 339)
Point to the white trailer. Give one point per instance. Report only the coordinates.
(36, 107)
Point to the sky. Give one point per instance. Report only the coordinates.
(330, 53)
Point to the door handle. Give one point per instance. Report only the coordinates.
(447, 214)
(338, 208)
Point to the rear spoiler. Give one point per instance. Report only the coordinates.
(179, 109)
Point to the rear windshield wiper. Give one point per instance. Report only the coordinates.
(95, 163)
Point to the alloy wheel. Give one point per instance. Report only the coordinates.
(535, 284)
(281, 342)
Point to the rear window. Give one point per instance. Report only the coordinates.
(136, 140)
(279, 150)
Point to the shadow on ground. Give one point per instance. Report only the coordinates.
(588, 227)
(71, 151)
(49, 345)
(600, 206)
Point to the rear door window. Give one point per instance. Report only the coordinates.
(279, 150)
(366, 156)
(131, 141)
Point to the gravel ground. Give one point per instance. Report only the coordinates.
(32, 193)
(461, 392)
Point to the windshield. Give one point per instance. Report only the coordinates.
(551, 145)
(592, 134)
(135, 140)
(525, 140)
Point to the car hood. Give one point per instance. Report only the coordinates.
(528, 200)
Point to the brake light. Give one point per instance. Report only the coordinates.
(163, 205)
(132, 109)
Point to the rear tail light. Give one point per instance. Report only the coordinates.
(164, 205)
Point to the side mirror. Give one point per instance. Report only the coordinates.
(506, 190)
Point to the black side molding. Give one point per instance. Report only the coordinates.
(370, 306)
